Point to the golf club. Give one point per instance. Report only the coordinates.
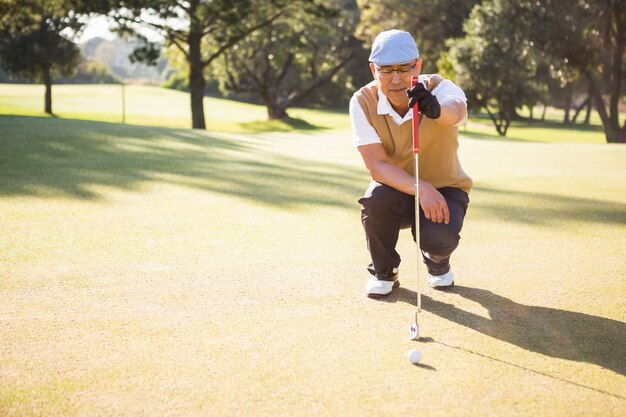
(415, 329)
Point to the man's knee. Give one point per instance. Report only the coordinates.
(439, 238)
(379, 198)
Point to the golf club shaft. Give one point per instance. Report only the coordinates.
(415, 121)
(417, 236)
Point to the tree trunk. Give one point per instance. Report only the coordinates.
(277, 106)
(615, 135)
(568, 104)
(501, 122)
(616, 70)
(588, 115)
(618, 135)
(610, 120)
(276, 112)
(579, 109)
(612, 131)
(47, 80)
(543, 114)
(504, 126)
(196, 81)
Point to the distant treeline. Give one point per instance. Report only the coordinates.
(505, 54)
(87, 72)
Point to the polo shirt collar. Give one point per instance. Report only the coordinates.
(384, 107)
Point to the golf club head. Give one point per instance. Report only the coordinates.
(415, 331)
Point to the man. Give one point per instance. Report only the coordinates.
(381, 131)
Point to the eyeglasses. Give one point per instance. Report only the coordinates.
(404, 71)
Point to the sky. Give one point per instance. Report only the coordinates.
(98, 26)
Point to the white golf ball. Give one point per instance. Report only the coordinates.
(415, 356)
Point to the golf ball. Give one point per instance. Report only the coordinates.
(415, 356)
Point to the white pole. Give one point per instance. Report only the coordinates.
(123, 104)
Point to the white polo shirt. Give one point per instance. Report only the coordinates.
(364, 133)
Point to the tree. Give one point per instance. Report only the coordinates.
(91, 72)
(286, 62)
(31, 44)
(496, 65)
(201, 29)
(588, 37)
(431, 22)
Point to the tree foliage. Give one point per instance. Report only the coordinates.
(202, 30)
(504, 53)
(588, 38)
(431, 22)
(286, 62)
(90, 72)
(558, 43)
(495, 63)
(32, 44)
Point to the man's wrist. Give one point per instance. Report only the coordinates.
(453, 112)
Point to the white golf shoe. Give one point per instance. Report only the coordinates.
(441, 281)
(375, 287)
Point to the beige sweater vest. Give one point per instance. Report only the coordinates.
(439, 163)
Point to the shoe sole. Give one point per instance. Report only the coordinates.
(442, 287)
(395, 285)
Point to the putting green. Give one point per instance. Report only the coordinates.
(148, 271)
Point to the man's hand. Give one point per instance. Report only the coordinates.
(434, 205)
(427, 103)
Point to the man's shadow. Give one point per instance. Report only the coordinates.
(557, 333)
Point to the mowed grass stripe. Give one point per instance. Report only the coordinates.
(154, 271)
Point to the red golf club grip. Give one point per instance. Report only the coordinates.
(416, 136)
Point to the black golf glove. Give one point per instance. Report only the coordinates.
(427, 103)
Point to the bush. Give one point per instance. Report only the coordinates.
(91, 72)
(177, 80)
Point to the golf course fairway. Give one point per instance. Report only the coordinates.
(169, 272)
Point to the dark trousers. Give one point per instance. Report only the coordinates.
(385, 210)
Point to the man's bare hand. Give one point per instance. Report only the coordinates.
(432, 202)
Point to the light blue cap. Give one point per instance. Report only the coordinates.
(393, 47)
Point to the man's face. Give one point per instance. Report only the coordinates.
(394, 80)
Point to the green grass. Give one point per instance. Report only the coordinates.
(155, 271)
(155, 106)
(167, 108)
(549, 131)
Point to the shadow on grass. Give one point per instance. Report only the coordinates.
(286, 125)
(68, 158)
(549, 331)
(483, 129)
(492, 136)
(545, 209)
(538, 123)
